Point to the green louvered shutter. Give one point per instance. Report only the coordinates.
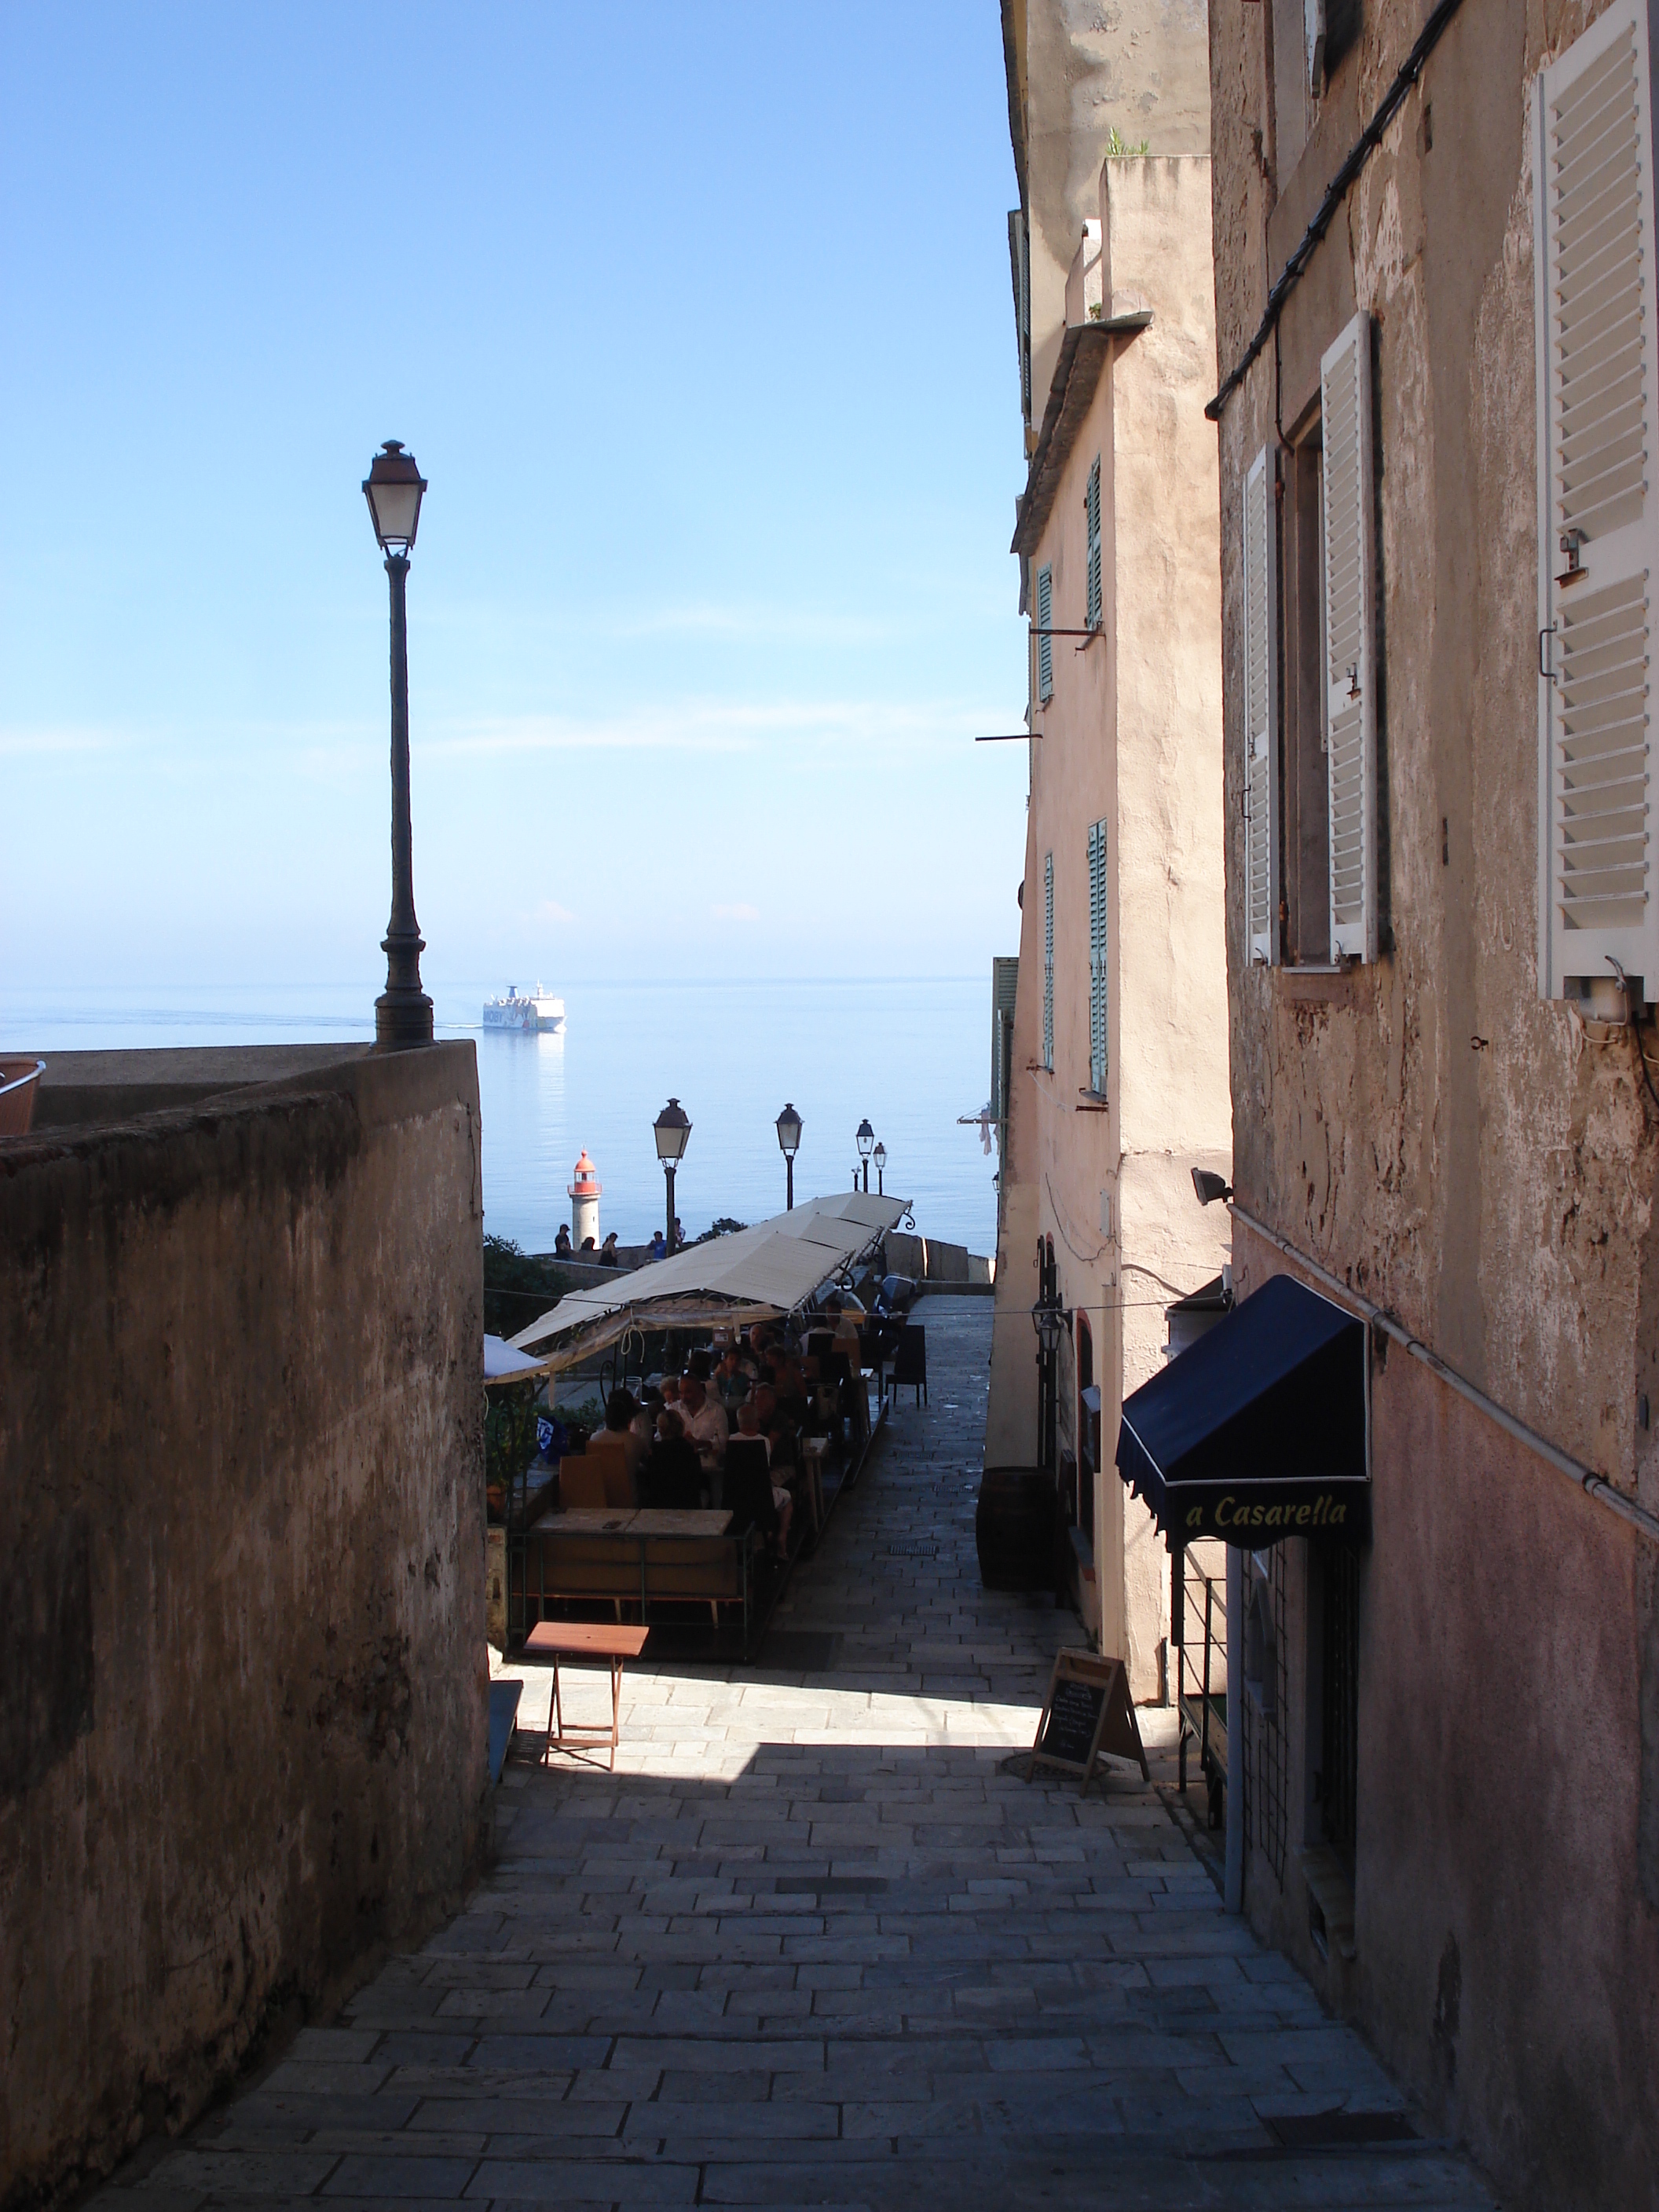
(1097, 958)
(1092, 511)
(1045, 614)
(1048, 960)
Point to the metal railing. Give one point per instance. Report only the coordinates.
(1200, 1595)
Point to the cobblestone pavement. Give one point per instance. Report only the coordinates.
(812, 1944)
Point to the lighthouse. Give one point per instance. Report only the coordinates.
(585, 1204)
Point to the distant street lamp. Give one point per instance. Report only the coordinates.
(1049, 1318)
(879, 1156)
(865, 1140)
(789, 1145)
(673, 1132)
(403, 1014)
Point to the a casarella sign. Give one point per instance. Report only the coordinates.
(1261, 1512)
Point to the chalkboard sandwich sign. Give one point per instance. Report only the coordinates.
(1088, 1714)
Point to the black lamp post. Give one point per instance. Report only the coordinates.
(403, 1014)
(866, 1141)
(673, 1132)
(879, 1156)
(789, 1145)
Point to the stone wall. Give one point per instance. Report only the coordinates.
(1476, 1158)
(243, 1736)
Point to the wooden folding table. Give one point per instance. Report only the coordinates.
(581, 1639)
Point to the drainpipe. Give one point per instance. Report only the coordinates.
(1234, 1896)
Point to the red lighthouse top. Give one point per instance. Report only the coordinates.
(586, 1184)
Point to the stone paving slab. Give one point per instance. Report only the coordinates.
(814, 1943)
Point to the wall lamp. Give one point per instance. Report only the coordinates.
(1210, 1186)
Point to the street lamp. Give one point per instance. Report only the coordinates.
(789, 1145)
(1049, 1318)
(673, 1132)
(879, 1156)
(865, 1140)
(403, 1014)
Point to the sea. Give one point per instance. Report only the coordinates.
(911, 1055)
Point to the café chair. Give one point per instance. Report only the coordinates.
(910, 1361)
(581, 1481)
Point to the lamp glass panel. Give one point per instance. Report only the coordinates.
(396, 507)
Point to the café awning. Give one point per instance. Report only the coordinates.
(753, 1274)
(1258, 1430)
(502, 1364)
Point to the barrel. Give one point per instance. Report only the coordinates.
(1014, 1529)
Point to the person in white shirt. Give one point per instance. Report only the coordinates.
(705, 1424)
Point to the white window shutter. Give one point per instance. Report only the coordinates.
(1261, 808)
(1045, 612)
(1344, 384)
(1598, 519)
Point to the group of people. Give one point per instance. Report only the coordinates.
(603, 1255)
(755, 1394)
(606, 1254)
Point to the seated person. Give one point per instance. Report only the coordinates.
(788, 1384)
(669, 1392)
(588, 1248)
(731, 1382)
(621, 1413)
(659, 1246)
(747, 1467)
(844, 1323)
(781, 1433)
(671, 1480)
(706, 1424)
(561, 1241)
(608, 1251)
(645, 1421)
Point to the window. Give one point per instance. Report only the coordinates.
(1097, 958)
(1598, 521)
(1091, 514)
(1045, 614)
(1049, 961)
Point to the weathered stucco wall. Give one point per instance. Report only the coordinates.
(1131, 736)
(243, 1733)
(1507, 1950)
(1085, 71)
(1473, 1159)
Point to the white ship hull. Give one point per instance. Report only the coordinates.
(538, 1009)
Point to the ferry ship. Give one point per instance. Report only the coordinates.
(538, 1009)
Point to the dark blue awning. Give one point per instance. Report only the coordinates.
(1258, 1432)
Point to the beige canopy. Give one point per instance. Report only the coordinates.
(753, 1274)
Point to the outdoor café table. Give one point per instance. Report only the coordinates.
(581, 1639)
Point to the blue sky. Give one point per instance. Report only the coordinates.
(697, 320)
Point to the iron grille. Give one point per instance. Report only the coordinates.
(1266, 1765)
(1340, 1700)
